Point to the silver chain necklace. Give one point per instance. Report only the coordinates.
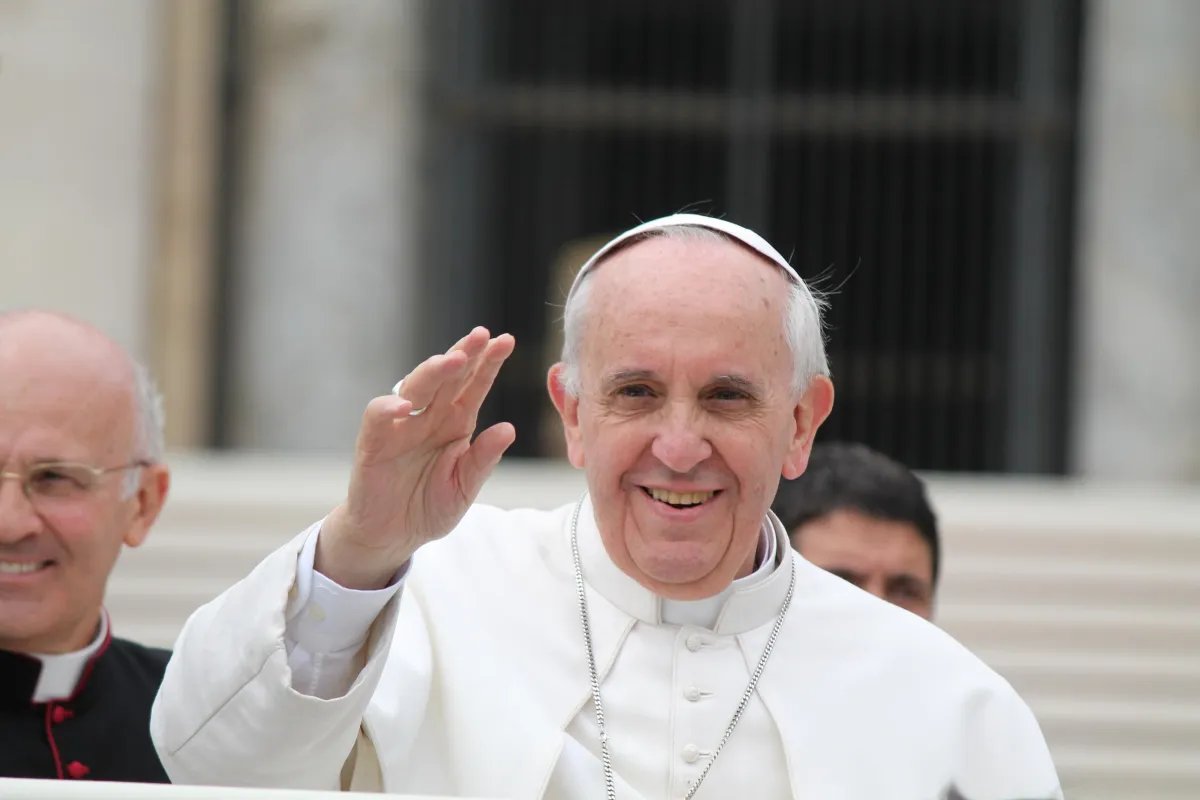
(605, 758)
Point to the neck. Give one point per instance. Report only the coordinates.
(753, 560)
(699, 593)
(742, 605)
(71, 638)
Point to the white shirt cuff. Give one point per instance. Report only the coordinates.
(325, 617)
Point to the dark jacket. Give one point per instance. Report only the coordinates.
(101, 733)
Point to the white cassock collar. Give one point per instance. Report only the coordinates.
(61, 671)
(744, 605)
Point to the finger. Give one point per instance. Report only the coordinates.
(440, 376)
(382, 410)
(473, 342)
(421, 385)
(476, 388)
(482, 456)
(450, 389)
(376, 435)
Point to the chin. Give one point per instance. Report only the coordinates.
(681, 575)
(701, 589)
(17, 635)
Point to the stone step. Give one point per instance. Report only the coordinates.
(1099, 675)
(1126, 772)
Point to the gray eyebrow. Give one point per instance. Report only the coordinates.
(738, 381)
(626, 375)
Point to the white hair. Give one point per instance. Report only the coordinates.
(149, 443)
(802, 317)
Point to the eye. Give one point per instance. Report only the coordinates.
(57, 478)
(49, 475)
(908, 590)
(728, 395)
(635, 390)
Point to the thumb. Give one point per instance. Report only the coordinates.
(482, 456)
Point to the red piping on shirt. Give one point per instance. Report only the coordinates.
(87, 671)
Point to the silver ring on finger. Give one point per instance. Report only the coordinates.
(416, 412)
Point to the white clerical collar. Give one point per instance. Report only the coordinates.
(61, 671)
(746, 604)
(704, 613)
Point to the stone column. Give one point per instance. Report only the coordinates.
(184, 277)
(323, 301)
(1138, 389)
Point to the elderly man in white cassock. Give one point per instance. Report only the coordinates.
(656, 639)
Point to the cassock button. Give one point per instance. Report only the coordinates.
(694, 643)
(691, 693)
(691, 753)
(77, 770)
(58, 715)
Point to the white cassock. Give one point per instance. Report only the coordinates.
(474, 682)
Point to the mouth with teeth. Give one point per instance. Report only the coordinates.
(680, 499)
(22, 567)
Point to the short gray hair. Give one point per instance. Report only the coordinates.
(802, 322)
(149, 443)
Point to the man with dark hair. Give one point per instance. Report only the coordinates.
(866, 518)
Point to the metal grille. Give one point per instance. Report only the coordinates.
(916, 156)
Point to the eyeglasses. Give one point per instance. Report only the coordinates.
(61, 480)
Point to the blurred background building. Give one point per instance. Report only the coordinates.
(284, 205)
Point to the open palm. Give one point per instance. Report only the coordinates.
(416, 474)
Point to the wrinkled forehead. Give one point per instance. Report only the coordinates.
(698, 310)
(737, 233)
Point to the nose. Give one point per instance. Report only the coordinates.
(17, 516)
(681, 444)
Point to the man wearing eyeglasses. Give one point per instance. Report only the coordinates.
(81, 476)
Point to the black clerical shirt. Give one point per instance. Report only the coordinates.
(101, 732)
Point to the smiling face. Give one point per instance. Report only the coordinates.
(67, 395)
(686, 417)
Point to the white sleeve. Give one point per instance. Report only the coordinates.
(226, 713)
(327, 626)
(1003, 752)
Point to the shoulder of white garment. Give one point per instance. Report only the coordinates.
(488, 536)
(876, 655)
(485, 540)
(892, 640)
